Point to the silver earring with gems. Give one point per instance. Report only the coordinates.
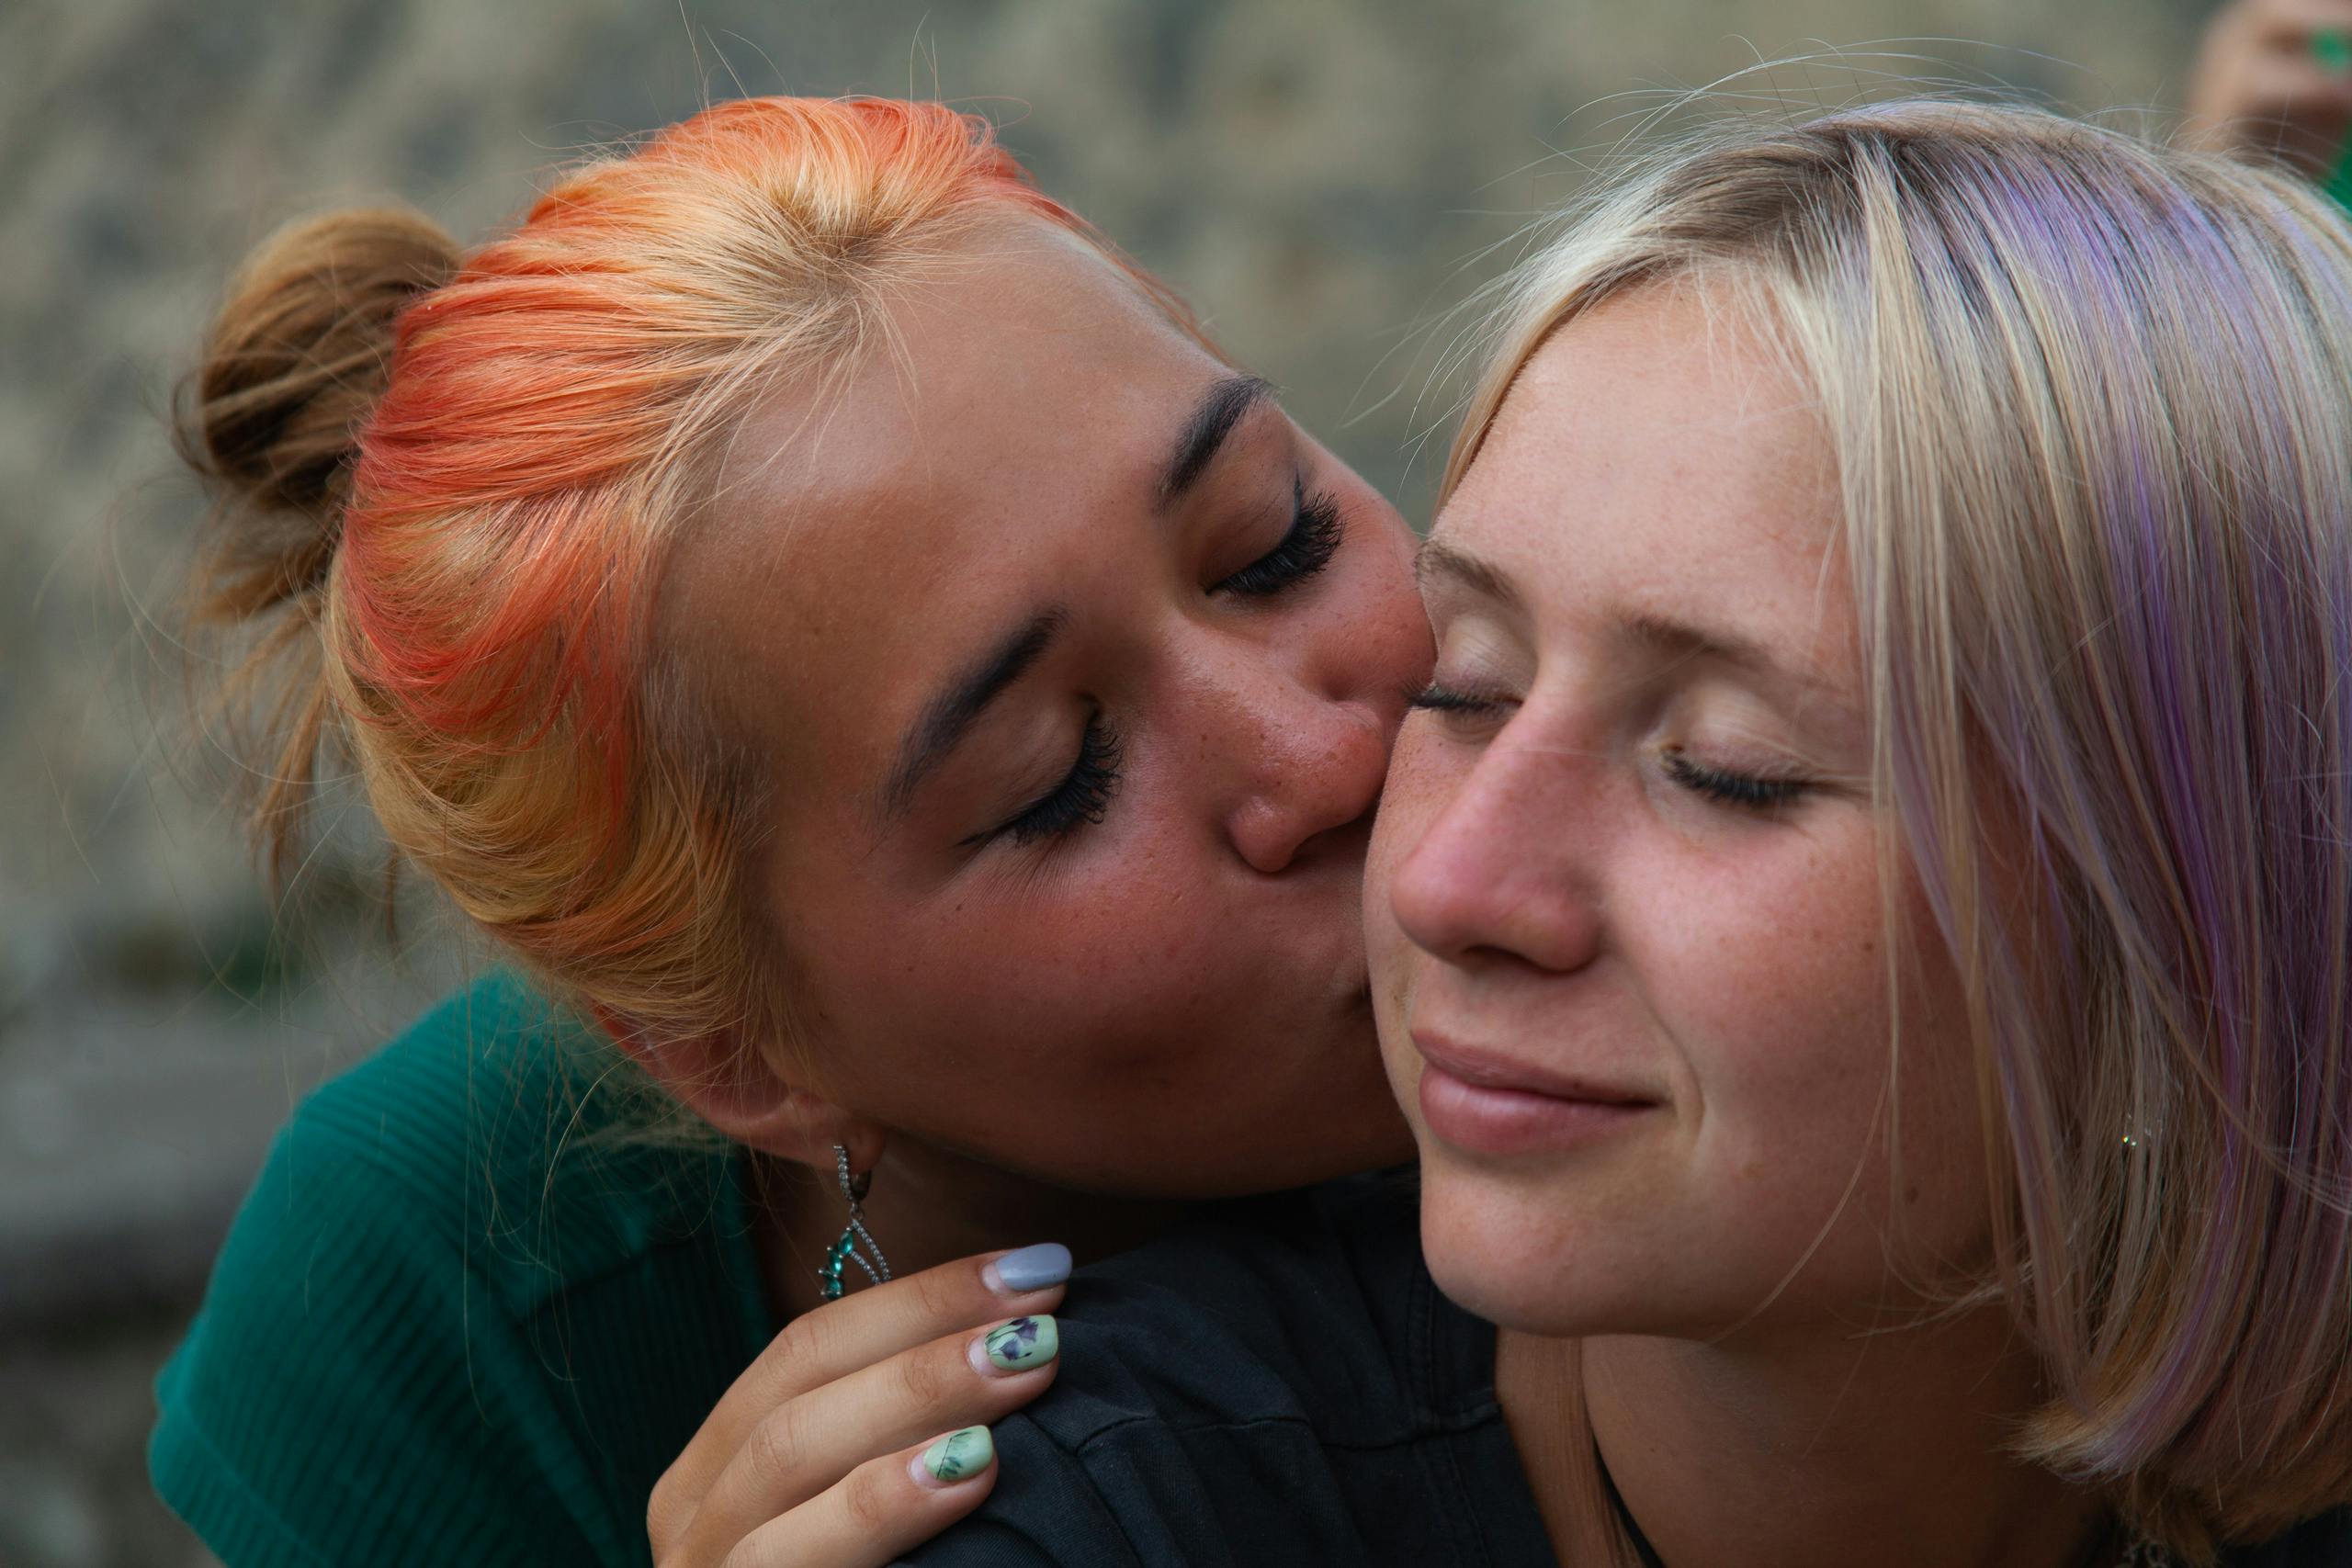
(846, 1250)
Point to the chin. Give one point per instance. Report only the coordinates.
(1286, 1142)
(1336, 1136)
(1485, 1264)
(1334, 1116)
(1521, 1259)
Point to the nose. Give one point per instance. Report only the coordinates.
(1311, 781)
(1505, 869)
(1292, 748)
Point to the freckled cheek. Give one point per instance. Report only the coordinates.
(1419, 784)
(1081, 986)
(1384, 939)
(1415, 790)
(1421, 780)
(1774, 989)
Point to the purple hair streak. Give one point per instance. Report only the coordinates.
(2091, 404)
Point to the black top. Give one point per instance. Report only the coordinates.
(1290, 1388)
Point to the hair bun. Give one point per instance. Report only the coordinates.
(293, 365)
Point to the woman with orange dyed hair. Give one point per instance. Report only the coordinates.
(1858, 920)
(873, 672)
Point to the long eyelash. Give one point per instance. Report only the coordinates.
(1083, 796)
(1436, 698)
(1734, 789)
(1314, 538)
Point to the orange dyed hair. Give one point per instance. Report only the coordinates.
(451, 483)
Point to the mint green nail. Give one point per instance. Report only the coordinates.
(960, 1455)
(1024, 1343)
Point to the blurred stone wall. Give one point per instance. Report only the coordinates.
(1320, 178)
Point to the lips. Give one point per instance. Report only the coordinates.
(1486, 1102)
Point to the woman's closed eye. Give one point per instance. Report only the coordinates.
(1082, 798)
(1754, 792)
(1306, 548)
(1467, 711)
(1438, 697)
(1722, 786)
(1084, 795)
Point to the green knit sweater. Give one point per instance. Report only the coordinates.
(460, 1319)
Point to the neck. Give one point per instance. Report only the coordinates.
(928, 1206)
(1822, 1450)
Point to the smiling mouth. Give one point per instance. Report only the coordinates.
(1485, 1102)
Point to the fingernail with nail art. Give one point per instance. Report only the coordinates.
(958, 1456)
(1024, 1343)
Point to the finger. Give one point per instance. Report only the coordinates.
(2292, 23)
(2295, 108)
(883, 1509)
(809, 1443)
(841, 1336)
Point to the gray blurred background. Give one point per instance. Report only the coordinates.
(1318, 177)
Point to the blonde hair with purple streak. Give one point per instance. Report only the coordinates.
(2090, 401)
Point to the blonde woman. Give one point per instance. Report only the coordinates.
(1859, 921)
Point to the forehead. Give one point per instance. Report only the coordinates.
(1657, 453)
(1021, 349)
(868, 519)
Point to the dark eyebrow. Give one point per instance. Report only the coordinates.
(949, 716)
(1436, 558)
(1222, 407)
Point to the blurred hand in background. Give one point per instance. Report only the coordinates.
(2275, 78)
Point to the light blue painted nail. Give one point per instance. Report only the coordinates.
(1033, 1267)
(1024, 1343)
(960, 1455)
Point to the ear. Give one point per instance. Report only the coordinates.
(725, 1079)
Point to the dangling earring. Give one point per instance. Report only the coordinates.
(876, 1267)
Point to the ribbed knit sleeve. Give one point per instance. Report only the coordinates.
(353, 1394)
(462, 1318)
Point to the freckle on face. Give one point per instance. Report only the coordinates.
(1134, 1010)
(1654, 459)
